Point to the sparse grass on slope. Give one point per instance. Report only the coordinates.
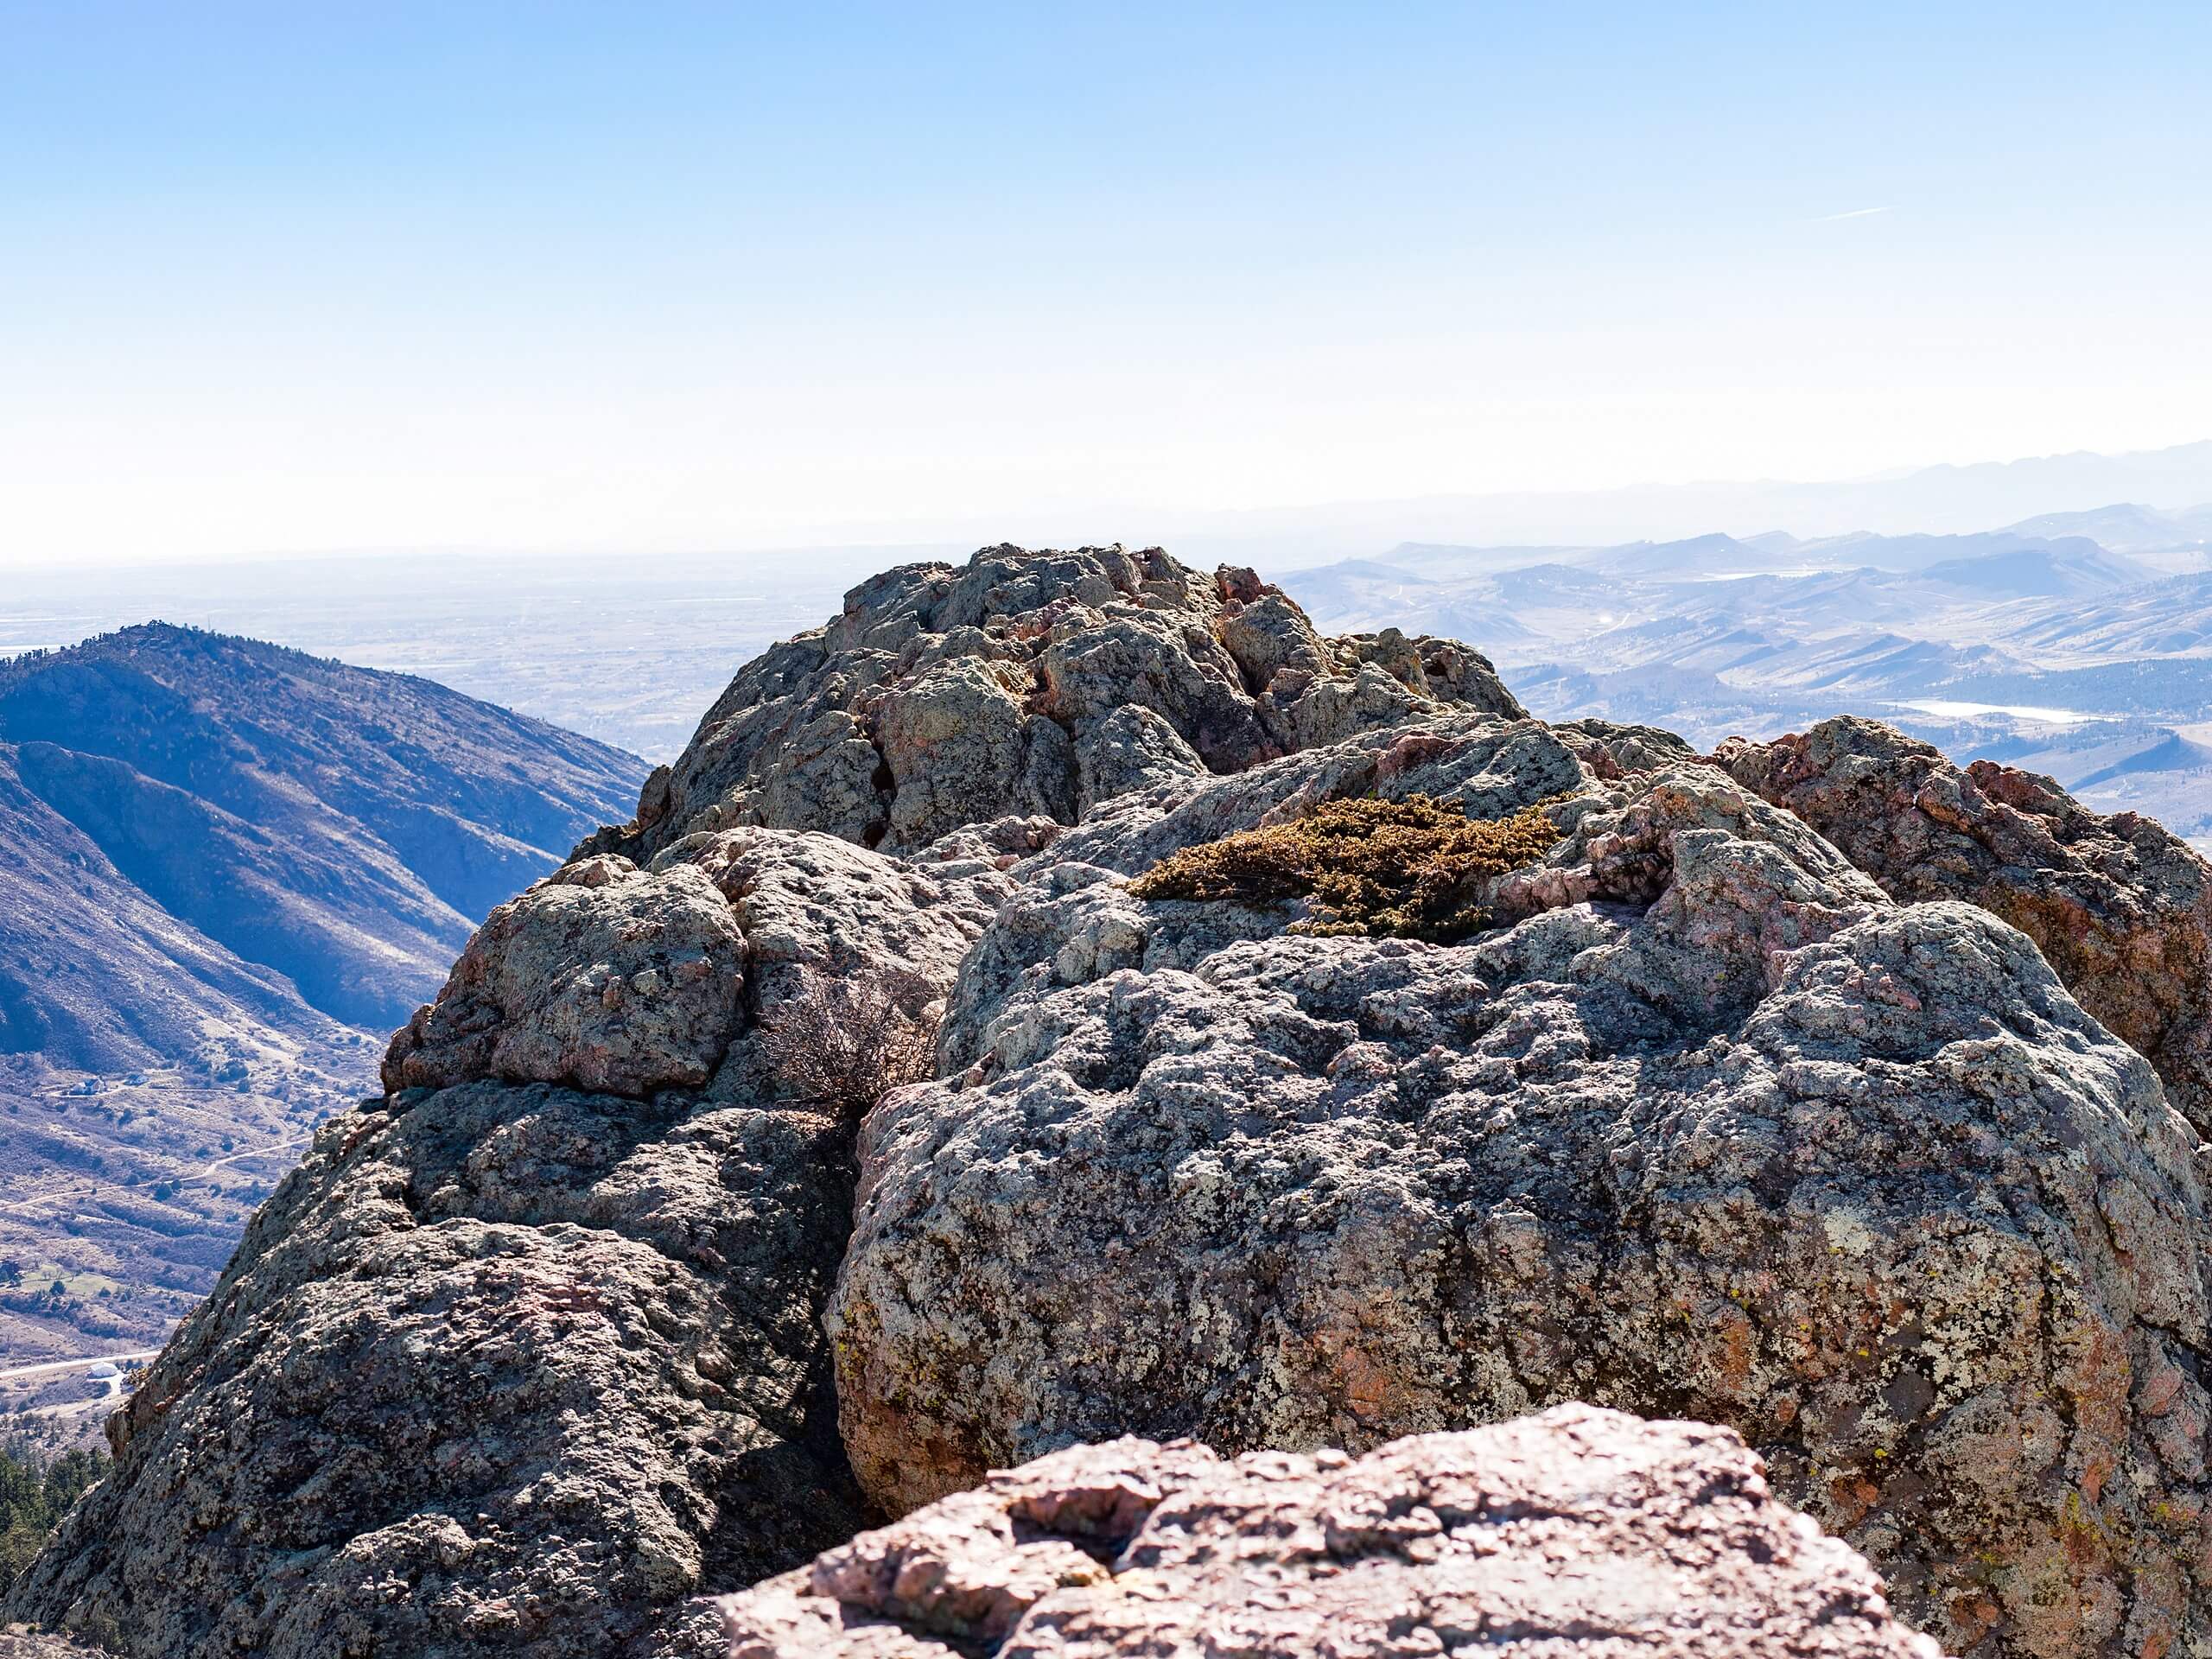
(1414, 868)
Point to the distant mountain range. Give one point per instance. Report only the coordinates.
(226, 871)
(2039, 643)
(1943, 499)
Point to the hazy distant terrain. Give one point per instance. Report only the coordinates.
(629, 652)
(2039, 644)
(226, 871)
(630, 649)
(1928, 500)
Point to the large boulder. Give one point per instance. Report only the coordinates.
(600, 977)
(605, 1304)
(943, 696)
(529, 1353)
(1578, 1532)
(2119, 907)
(1713, 1129)
(497, 1370)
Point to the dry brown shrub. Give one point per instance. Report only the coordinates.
(1414, 868)
(845, 1040)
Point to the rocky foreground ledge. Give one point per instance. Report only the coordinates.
(1575, 1533)
(1752, 1090)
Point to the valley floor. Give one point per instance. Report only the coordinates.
(121, 1198)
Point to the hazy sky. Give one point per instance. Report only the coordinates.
(648, 275)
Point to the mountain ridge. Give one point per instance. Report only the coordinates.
(225, 867)
(292, 763)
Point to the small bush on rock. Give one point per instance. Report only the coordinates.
(847, 1040)
(1414, 868)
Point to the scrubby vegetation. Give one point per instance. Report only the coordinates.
(1415, 869)
(848, 1040)
(35, 1494)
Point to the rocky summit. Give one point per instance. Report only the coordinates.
(1814, 1092)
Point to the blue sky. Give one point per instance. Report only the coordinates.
(285, 277)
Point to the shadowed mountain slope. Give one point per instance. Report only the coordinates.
(220, 861)
(94, 976)
(342, 827)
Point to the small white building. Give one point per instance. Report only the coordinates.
(104, 1370)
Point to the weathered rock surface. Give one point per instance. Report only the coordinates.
(1579, 1531)
(2119, 907)
(609, 977)
(1709, 1125)
(1716, 1130)
(519, 1363)
(1032, 684)
(600, 977)
(496, 1368)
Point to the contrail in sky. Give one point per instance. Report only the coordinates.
(1856, 213)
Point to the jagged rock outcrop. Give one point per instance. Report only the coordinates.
(1716, 1130)
(2120, 907)
(590, 1314)
(1032, 684)
(519, 1363)
(1576, 1532)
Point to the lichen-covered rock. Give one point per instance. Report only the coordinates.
(2120, 907)
(1613, 751)
(601, 976)
(1018, 685)
(508, 1368)
(1577, 1532)
(1715, 1130)
(604, 977)
(1132, 748)
(1708, 1125)
(497, 1370)
(811, 901)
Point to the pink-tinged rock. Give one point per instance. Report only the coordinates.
(2120, 907)
(1579, 1532)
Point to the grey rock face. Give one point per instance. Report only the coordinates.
(1709, 1126)
(508, 1367)
(1715, 1130)
(812, 901)
(2119, 907)
(1132, 748)
(1021, 685)
(1578, 1532)
(497, 1370)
